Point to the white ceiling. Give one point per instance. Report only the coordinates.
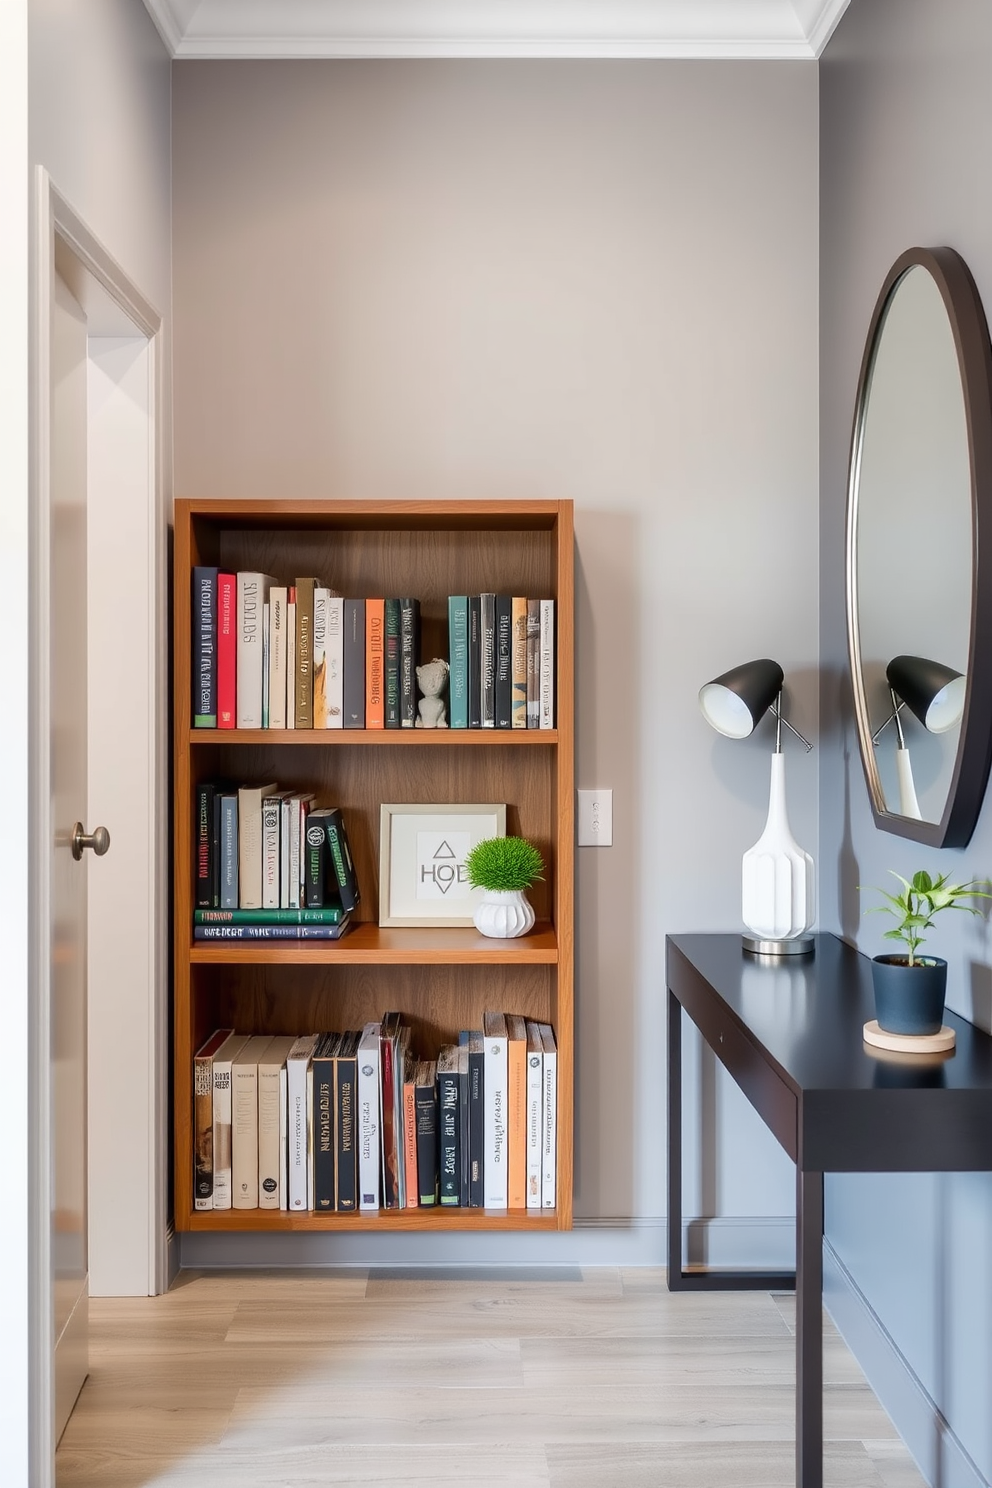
(780, 29)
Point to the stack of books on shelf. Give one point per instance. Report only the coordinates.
(269, 865)
(299, 656)
(352, 1122)
(501, 655)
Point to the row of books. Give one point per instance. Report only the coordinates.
(299, 656)
(269, 864)
(349, 1122)
(501, 658)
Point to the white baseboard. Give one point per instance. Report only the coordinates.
(602, 1241)
(939, 1454)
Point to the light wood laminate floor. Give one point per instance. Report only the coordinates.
(550, 1379)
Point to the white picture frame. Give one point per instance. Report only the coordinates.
(422, 849)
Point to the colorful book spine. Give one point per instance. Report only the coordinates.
(203, 828)
(391, 663)
(324, 1138)
(487, 659)
(516, 1105)
(458, 661)
(253, 592)
(549, 1149)
(518, 631)
(291, 659)
(426, 1108)
(474, 661)
(375, 701)
(388, 1031)
(227, 650)
(409, 651)
(504, 661)
(547, 695)
(329, 914)
(464, 1157)
(341, 859)
(353, 663)
(228, 855)
(495, 1166)
(346, 1097)
(304, 652)
(270, 932)
(321, 600)
(204, 630)
(315, 884)
(447, 1126)
(334, 661)
(535, 1111)
(476, 1120)
(368, 1118)
(278, 603)
(533, 663)
(410, 1135)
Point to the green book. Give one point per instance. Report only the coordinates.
(392, 664)
(328, 914)
(458, 661)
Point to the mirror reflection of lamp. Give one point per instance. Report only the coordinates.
(777, 901)
(934, 694)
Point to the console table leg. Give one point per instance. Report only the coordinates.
(675, 1275)
(809, 1330)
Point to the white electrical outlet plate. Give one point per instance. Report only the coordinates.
(595, 818)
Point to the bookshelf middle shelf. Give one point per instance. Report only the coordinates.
(368, 944)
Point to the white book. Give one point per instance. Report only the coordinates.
(271, 848)
(310, 1203)
(253, 592)
(289, 807)
(547, 643)
(535, 1113)
(244, 1122)
(297, 1064)
(222, 1118)
(368, 1117)
(277, 656)
(549, 1146)
(495, 1172)
(271, 1120)
(297, 857)
(335, 662)
(265, 665)
(321, 598)
(283, 1139)
(291, 665)
(250, 798)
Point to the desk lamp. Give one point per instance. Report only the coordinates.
(934, 694)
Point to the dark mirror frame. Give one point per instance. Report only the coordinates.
(974, 754)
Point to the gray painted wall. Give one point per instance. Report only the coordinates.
(906, 140)
(593, 280)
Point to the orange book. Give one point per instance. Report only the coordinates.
(516, 1079)
(410, 1133)
(375, 694)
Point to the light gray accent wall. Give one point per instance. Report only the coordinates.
(906, 139)
(586, 280)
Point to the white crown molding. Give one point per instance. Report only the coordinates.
(680, 29)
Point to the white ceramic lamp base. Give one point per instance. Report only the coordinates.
(777, 887)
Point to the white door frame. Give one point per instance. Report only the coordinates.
(53, 220)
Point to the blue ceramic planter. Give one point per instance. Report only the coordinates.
(909, 999)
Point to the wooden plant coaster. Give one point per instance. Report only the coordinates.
(907, 1043)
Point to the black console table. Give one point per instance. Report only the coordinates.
(789, 1030)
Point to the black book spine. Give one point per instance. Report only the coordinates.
(474, 661)
(316, 852)
(341, 859)
(463, 1133)
(346, 1081)
(354, 663)
(203, 836)
(392, 663)
(323, 1135)
(204, 633)
(487, 643)
(447, 1136)
(476, 1127)
(215, 836)
(504, 661)
(409, 651)
(425, 1105)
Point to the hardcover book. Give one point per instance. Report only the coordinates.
(341, 860)
(518, 628)
(206, 846)
(516, 1065)
(368, 1118)
(251, 931)
(227, 650)
(250, 798)
(458, 661)
(409, 651)
(448, 1126)
(391, 612)
(334, 661)
(304, 652)
(389, 1030)
(265, 665)
(410, 1133)
(271, 1130)
(474, 661)
(425, 1098)
(535, 1114)
(203, 1119)
(375, 701)
(253, 593)
(354, 663)
(346, 1101)
(244, 1122)
(504, 661)
(547, 695)
(476, 1120)
(495, 1166)
(321, 601)
(278, 603)
(291, 659)
(271, 848)
(329, 914)
(324, 1136)
(487, 643)
(204, 632)
(533, 663)
(549, 1151)
(315, 882)
(228, 851)
(297, 1064)
(222, 1146)
(464, 1159)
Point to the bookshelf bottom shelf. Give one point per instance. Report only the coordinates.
(231, 1221)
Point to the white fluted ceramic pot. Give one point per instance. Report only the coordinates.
(504, 914)
(777, 874)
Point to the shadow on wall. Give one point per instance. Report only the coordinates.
(608, 669)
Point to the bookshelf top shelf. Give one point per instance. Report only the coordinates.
(404, 738)
(377, 516)
(369, 944)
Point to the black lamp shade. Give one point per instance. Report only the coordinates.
(736, 702)
(934, 693)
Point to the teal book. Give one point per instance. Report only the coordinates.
(392, 663)
(458, 661)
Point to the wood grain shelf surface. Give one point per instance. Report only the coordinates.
(369, 944)
(436, 1220)
(404, 738)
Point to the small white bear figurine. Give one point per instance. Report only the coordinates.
(432, 679)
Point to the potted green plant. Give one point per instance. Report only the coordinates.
(910, 988)
(504, 867)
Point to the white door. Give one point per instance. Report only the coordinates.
(67, 631)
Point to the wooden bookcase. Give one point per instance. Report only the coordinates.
(442, 980)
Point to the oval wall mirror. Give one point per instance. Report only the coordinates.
(919, 592)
